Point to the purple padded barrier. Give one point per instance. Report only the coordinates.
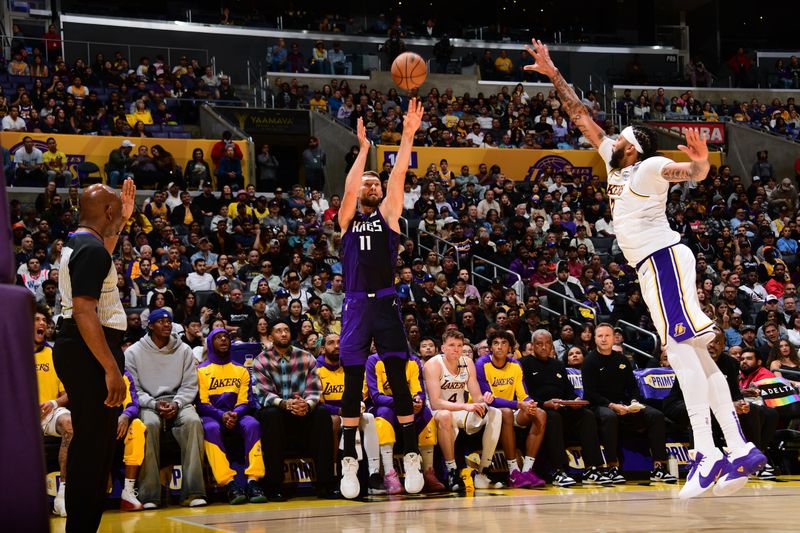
(23, 500)
(8, 273)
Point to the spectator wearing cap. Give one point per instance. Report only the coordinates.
(241, 199)
(205, 253)
(160, 287)
(581, 238)
(563, 286)
(426, 294)
(279, 308)
(163, 370)
(733, 335)
(287, 389)
(591, 306)
(119, 166)
(221, 294)
(206, 202)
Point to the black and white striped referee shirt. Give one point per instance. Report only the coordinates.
(86, 269)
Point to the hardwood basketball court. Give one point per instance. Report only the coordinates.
(765, 506)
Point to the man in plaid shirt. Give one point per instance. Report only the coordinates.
(287, 389)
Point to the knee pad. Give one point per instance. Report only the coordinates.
(396, 375)
(353, 391)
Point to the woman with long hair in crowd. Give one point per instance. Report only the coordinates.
(783, 356)
(326, 322)
(54, 257)
(306, 328)
(126, 293)
(432, 265)
(158, 301)
(186, 308)
(260, 334)
(585, 339)
(575, 357)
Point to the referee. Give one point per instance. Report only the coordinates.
(87, 353)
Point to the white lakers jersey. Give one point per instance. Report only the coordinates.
(454, 386)
(638, 195)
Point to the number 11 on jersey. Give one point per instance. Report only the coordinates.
(365, 242)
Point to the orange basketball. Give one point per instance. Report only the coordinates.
(409, 70)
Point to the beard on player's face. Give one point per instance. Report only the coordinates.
(617, 157)
(369, 199)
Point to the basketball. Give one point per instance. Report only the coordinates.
(409, 71)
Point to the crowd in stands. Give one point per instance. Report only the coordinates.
(512, 118)
(248, 264)
(776, 116)
(41, 93)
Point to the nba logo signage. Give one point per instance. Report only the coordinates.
(558, 164)
(391, 158)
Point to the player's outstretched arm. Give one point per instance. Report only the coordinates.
(697, 151)
(352, 184)
(392, 207)
(570, 102)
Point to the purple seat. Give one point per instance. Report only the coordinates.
(160, 135)
(152, 127)
(180, 135)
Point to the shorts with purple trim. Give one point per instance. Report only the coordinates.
(667, 281)
(367, 318)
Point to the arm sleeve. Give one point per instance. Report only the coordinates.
(145, 400)
(374, 386)
(606, 150)
(264, 396)
(87, 270)
(188, 390)
(204, 407)
(415, 384)
(131, 400)
(590, 378)
(521, 390)
(245, 393)
(313, 388)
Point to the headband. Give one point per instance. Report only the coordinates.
(630, 136)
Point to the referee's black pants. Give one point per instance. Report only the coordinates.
(573, 422)
(94, 425)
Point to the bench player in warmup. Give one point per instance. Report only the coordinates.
(331, 374)
(639, 181)
(459, 404)
(371, 237)
(501, 375)
(132, 429)
(384, 402)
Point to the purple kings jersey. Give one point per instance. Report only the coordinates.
(369, 253)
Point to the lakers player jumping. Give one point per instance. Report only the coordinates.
(370, 313)
(639, 180)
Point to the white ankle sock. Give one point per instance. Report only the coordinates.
(62, 487)
(130, 484)
(387, 457)
(374, 465)
(722, 406)
(451, 465)
(427, 457)
(527, 464)
(513, 466)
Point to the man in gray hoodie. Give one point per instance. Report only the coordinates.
(166, 382)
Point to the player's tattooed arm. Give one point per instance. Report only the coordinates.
(698, 168)
(570, 102)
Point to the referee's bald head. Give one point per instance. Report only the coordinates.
(101, 209)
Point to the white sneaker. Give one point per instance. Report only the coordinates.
(414, 481)
(149, 506)
(482, 481)
(703, 474)
(198, 502)
(349, 485)
(60, 506)
(128, 500)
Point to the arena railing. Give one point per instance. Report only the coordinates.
(437, 242)
(564, 300)
(478, 261)
(640, 331)
(108, 49)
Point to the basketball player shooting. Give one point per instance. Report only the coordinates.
(639, 180)
(371, 228)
